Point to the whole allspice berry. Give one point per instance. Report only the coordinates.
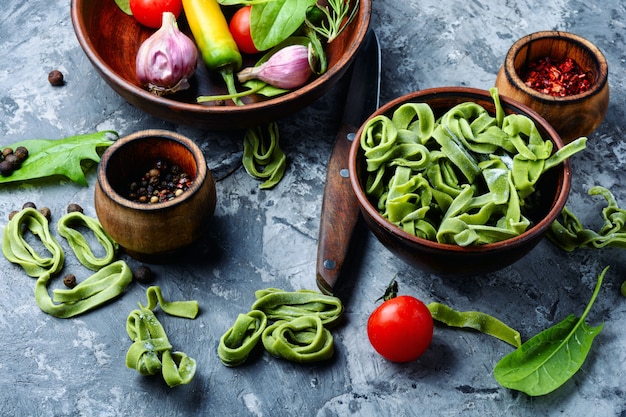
(72, 207)
(69, 280)
(143, 274)
(55, 78)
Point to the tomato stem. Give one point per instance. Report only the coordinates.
(391, 291)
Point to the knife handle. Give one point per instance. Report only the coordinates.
(340, 213)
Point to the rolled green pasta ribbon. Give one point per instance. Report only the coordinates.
(178, 368)
(151, 353)
(238, 341)
(262, 156)
(278, 304)
(101, 287)
(186, 309)
(18, 251)
(78, 243)
(302, 340)
(476, 320)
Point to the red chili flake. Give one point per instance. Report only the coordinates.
(558, 78)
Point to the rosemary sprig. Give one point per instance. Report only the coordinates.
(337, 16)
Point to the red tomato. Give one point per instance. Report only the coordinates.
(240, 29)
(400, 329)
(150, 12)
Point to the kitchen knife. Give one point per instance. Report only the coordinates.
(340, 210)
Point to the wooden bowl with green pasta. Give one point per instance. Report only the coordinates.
(459, 181)
(155, 195)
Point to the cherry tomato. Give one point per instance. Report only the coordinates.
(400, 329)
(240, 29)
(150, 12)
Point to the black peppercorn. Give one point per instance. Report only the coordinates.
(143, 274)
(72, 207)
(55, 78)
(7, 151)
(12, 214)
(29, 204)
(69, 280)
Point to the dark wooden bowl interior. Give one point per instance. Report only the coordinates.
(111, 39)
(132, 160)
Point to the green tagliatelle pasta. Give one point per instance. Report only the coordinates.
(101, 287)
(186, 309)
(262, 156)
(278, 304)
(476, 320)
(302, 339)
(464, 178)
(238, 341)
(18, 251)
(151, 352)
(298, 332)
(66, 228)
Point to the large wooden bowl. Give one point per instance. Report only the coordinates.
(571, 116)
(110, 39)
(153, 232)
(449, 259)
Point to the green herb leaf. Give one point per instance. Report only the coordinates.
(274, 21)
(49, 157)
(124, 5)
(549, 359)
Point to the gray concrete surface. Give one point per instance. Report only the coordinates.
(259, 239)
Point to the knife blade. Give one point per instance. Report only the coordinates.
(340, 210)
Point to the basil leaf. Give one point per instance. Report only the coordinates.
(124, 6)
(274, 21)
(546, 361)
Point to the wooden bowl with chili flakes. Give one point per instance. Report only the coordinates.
(110, 39)
(561, 76)
(170, 171)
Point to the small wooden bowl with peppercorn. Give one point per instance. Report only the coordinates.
(561, 76)
(155, 194)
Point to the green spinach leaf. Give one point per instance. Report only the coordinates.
(49, 157)
(274, 21)
(546, 361)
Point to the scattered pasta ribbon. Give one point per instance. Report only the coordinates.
(302, 339)
(18, 251)
(151, 353)
(78, 243)
(185, 309)
(476, 320)
(101, 287)
(570, 234)
(238, 341)
(262, 156)
(104, 285)
(465, 178)
(299, 331)
(278, 304)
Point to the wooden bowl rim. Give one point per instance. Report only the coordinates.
(202, 171)
(517, 241)
(84, 40)
(513, 77)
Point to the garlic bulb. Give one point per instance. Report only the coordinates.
(288, 68)
(167, 59)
